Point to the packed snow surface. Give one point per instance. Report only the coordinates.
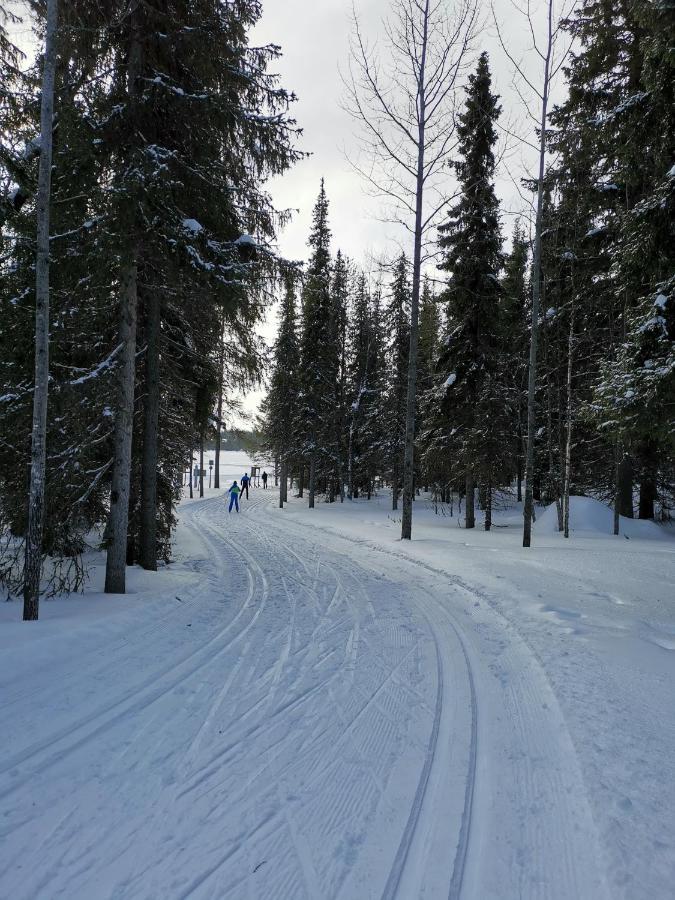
(303, 706)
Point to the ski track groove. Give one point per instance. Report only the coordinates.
(309, 625)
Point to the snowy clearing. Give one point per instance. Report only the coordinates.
(302, 706)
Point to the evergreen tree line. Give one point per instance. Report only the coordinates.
(167, 123)
(605, 391)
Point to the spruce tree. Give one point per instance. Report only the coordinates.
(514, 311)
(316, 352)
(280, 406)
(475, 402)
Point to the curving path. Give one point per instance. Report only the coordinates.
(312, 717)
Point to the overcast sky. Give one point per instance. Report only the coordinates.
(314, 37)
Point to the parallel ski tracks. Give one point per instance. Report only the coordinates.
(392, 889)
(52, 749)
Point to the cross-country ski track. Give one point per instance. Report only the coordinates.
(309, 716)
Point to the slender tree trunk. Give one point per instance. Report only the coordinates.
(312, 480)
(394, 492)
(281, 486)
(148, 529)
(115, 570)
(301, 481)
(219, 423)
(190, 477)
(409, 458)
(488, 506)
(350, 462)
(201, 465)
(625, 485)
(470, 513)
(36, 503)
(648, 492)
(528, 509)
(568, 437)
(617, 486)
(276, 471)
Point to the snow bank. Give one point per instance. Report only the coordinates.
(590, 516)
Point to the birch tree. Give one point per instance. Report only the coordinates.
(33, 558)
(404, 99)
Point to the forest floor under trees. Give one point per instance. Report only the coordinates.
(302, 706)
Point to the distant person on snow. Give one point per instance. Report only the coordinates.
(245, 481)
(264, 479)
(234, 496)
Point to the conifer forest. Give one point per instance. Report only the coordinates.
(465, 429)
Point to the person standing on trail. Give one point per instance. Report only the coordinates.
(245, 481)
(264, 480)
(234, 496)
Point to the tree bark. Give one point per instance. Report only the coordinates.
(648, 492)
(312, 480)
(201, 464)
(219, 423)
(409, 457)
(115, 569)
(470, 513)
(488, 506)
(281, 486)
(148, 529)
(528, 508)
(625, 486)
(36, 503)
(568, 437)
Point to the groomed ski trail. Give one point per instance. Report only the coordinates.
(314, 718)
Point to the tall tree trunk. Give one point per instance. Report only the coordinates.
(350, 462)
(394, 489)
(568, 436)
(36, 503)
(115, 569)
(219, 423)
(470, 512)
(528, 508)
(190, 476)
(281, 486)
(648, 492)
(301, 481)
(488, 505)
(201, 464)
(519, 465)
(148, 529)
(312, 480)
(411, 402)
(625, 485)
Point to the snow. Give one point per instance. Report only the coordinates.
(246, 239)
(450, 380)
(661, 301)
(591, 517)
(303, 706)
(192, 226)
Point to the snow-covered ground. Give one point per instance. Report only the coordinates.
(302, 706)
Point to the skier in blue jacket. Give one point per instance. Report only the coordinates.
(234, 496)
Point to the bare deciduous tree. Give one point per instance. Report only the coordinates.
(552, 61)
(406, 107)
